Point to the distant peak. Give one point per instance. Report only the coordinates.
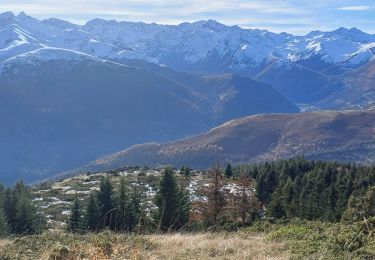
(212, 24)
(314, 33)
(7, 16)
(356, 30)
(96, 21)
(353, 32)
(22, 15)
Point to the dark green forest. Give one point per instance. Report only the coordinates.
(313, 190)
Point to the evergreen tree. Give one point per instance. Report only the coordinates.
(229, 171)
(75, 216)
(123, 204)
(183, 212)
(185, 171)
(105, 201)
(276, 207)
(3, 222)
(19, 211)
(26, 218)
(10, 210)
(262, 189)
(171, 203)
(91, 218)
(135, 212)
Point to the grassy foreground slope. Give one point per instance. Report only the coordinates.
(263, 240)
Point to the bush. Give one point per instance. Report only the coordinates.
(291, 232)
(347, 239)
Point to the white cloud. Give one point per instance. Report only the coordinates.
(355, 8)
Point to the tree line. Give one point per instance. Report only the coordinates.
(312, 190)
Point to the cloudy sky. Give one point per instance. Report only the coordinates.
(294, 16)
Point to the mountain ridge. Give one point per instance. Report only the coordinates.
(327, 135)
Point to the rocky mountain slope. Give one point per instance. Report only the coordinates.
(328, 135)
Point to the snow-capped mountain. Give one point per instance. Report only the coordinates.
(203, 45)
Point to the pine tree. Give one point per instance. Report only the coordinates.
(91, 218)
(75, 216)
(10, 210)
(262, 189)
(135, 211)
(171, 203)
(123, 205)
(105, 202)
(26, 218)
(229, 171)
(290, 207)
(3, 223)
(276, 207)
(183, 212)
(185, 171)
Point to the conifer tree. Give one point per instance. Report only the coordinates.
(19, 211)
(185, 171)
(171, 203)
(276, 207)
(106, 205)
(228, 171)
(135, 211)
(183, 209)
(26, 218)
(10, 209)
(91, 218)
(75, 216)
(3, 223)
(123, 207)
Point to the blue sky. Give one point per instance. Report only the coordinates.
(294, 16)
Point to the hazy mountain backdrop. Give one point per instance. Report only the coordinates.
(70, 94)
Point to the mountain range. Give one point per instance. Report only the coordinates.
(72, 93)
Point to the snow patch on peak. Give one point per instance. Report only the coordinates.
(46, 54)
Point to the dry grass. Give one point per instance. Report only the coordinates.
(164, 246)
(218, 246)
